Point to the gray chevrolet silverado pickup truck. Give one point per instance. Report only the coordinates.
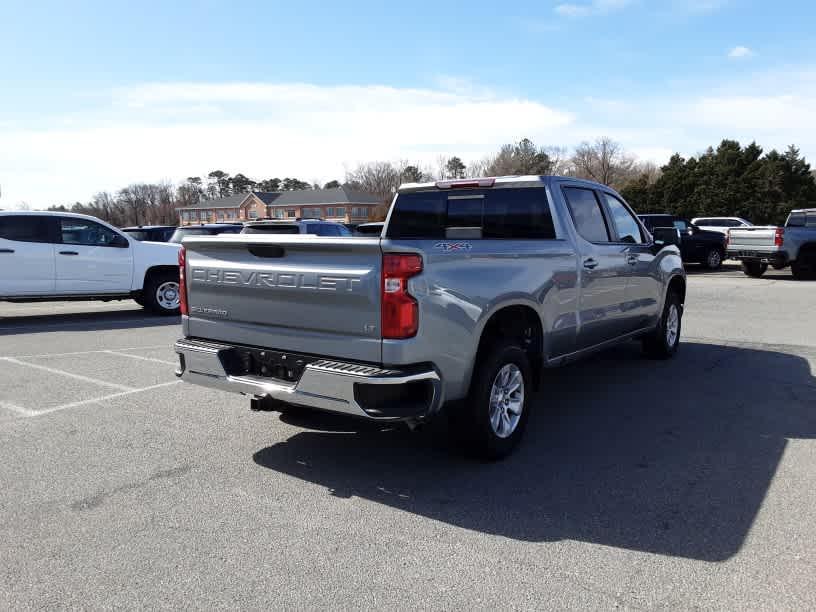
(793, 245)
(473, 289)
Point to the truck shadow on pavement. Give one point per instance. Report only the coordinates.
(83, 321)
(673, 458)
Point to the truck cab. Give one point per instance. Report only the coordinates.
(698, 245)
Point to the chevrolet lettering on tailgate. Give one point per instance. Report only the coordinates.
(305, 280)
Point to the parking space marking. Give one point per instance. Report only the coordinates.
(36, 413)
(18, 409)
(127, 348)
(154, 360)
(87, 379)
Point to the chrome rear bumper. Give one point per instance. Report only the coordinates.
(354, 389)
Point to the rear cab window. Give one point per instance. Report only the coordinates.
(27, 228)
(499, 212)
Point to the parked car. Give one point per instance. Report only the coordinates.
(317, 227)
(48, 256)
(720, 224)
(204, 229)
(475, 286)
(793, 245)
(698, 245)
(151, 233)
(374, 228)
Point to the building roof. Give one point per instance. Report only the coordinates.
(267, 197)
(338, 195)
(233, 201)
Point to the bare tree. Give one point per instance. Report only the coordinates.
(380, 178)
(604, 161)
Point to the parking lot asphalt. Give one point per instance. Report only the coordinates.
(640, 484)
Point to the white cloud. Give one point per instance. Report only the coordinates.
(596, 7)
(174, 130)
(740, 52)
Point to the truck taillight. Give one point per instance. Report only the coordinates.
(779, 236)
(400, 311)
(182, 260)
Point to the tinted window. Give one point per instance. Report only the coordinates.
(501, 213)
(139, 234)
(87, 233)
(24, 228)
(587, 214)
(625, 224)
(680, 224)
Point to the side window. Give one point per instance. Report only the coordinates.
(25, 228)
(587, 214)
(83, 232)
(313, 228)
(680, 224)
(628, 229)
(810, 220)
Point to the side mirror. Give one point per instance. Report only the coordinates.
(664, 236)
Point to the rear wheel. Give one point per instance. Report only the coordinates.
(491, 421)
(713, 259)
(754, 268)
(662, 343)
(161, 293)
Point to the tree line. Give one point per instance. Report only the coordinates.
(729, 180)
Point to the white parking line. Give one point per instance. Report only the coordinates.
(35, 413)
(18, 409)
(88, 379)
(127, 348)
(165, 362)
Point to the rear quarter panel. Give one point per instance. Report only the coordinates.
(460, 289)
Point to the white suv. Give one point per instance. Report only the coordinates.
(49, 256)
(720, 224)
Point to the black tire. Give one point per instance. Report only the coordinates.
(779, 266)
(754, 269)
(150, 294)
(139, 300)
(470, 420)
(713, 259)
(659, 344)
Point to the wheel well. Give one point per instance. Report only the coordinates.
(678, 284)
(521, 323)
(158, 270)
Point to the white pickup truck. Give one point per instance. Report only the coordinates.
(50, 256)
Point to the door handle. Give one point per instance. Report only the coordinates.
(631, 259)
(6, 250)
(590, 264)
(68, 253)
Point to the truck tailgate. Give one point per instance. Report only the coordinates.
(750, 237)
(302, 293)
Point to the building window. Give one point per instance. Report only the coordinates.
(340, 211)
(185, 215)
(329, 212)
(359, 212)
(290, 212)
(253, 214)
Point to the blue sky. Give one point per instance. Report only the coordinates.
(95, 95)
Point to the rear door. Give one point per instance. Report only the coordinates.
(298, 293)
(88, 260)
(27, 254)
(603, 267)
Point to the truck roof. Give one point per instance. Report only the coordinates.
(531, 180)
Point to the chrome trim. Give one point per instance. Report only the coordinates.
(325, 384)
